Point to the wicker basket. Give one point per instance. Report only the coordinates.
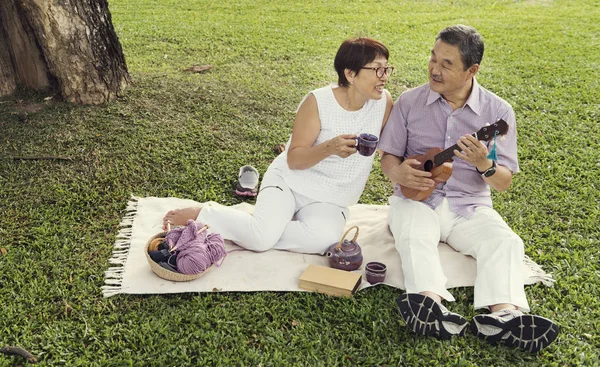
(165, 273)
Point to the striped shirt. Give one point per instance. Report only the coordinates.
(422, 119)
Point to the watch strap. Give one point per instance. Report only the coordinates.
(481, 173)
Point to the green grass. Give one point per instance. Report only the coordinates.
(176, 134)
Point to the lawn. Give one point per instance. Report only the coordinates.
(186, 135)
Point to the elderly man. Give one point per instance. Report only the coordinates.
(426, 208)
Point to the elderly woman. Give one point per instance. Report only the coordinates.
(302, 205)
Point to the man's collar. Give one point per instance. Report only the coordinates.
(472, 101)
(433, 96)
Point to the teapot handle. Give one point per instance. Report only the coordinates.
(339, 245)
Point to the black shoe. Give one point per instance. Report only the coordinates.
(515, 329)
(424, 316)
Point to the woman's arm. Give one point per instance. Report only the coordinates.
(388, 108)
(302, 154)
(389, 103)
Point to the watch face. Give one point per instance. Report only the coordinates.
(490, 172)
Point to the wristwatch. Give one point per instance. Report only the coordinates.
(488, 172)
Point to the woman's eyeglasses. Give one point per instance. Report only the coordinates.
(381, 71)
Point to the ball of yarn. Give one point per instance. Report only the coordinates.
(195, 251)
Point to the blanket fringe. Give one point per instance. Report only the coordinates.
(539, 275)
(113, 277)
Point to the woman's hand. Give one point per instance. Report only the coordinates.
(342, 145)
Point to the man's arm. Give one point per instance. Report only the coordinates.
(475, 153)
(500, 180)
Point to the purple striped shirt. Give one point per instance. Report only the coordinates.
(422, 119)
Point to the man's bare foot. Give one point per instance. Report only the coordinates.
(180, 217)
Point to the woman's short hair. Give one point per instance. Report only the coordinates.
(468, 40)
(355, 53)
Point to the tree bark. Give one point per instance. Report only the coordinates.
(67, 45)
(7, 72)
(7, 77)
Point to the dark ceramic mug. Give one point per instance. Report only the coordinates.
(375, 272)
(366, 144)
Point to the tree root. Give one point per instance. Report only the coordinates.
(198, 68)
(56, 158)
(18, 351)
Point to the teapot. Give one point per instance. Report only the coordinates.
(345, 255)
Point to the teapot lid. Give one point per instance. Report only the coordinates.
(348, 246)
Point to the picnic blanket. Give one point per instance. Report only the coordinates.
(273, 270)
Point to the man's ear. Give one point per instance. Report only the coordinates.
(473, 69)
(350, 75)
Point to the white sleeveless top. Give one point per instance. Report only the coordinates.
(336, 180)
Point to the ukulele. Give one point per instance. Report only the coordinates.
(437, 161)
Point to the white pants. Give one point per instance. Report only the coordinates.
(499, 252)
(282, 219)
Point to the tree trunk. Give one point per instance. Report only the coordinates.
(7, 72)
(68, 45)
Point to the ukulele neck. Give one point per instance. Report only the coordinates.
(447, 154)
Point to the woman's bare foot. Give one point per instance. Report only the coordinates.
(279, 148)
(180, 217)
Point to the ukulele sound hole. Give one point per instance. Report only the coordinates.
(428, 166)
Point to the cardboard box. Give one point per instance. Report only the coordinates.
(330, 281)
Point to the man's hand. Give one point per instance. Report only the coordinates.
(403, 173)
(473, 152)
(412, 177)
